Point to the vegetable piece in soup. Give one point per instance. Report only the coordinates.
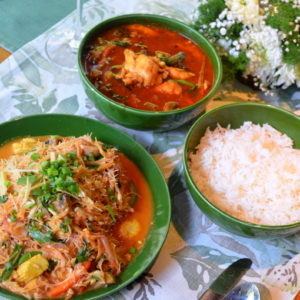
(148, 68)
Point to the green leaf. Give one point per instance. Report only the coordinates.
(35, 156)
(69, 105)
(12, 263)
(49, 101)
(209, 12)
(111, 212)
(23, 180)
(3, 198)
(41, 237)
(28, 255)
(83, 254)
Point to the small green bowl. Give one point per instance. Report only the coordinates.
(68, 125)
(235, 115)
(142, 119)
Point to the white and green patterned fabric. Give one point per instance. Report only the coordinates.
(196, 250)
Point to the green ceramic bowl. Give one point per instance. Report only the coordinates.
(236, 114)
(142, 119)
(67, 125)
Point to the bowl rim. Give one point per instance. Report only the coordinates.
(164, 225)
(197, 190)
(156, 19)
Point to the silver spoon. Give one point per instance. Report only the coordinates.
(244, 291)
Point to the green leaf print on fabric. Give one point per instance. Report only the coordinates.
(198, 272)
(28, 68)
(29, 108)
(49, 101)
(146, 285)
(68, 105)
(229, 242)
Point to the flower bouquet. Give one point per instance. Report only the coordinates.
(255, 39)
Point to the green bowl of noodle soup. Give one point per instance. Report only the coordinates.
(76, 126)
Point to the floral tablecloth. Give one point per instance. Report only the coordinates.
(196, 250)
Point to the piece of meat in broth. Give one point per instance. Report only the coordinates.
(176, 73)
(142, 70)
(169, 87)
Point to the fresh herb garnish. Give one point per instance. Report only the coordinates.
(28, 255)
(121, 43)
(41, 237)
(132, 250)
(35, 156)
(119, 97)
(12, 263)
(30, 178)
(186, 82)
(52, 265)
(13, 216)
(83, 254)
(64, 226)
(111, 213)
(175, 60)
(3, 198)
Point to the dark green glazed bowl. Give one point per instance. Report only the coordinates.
(68, 125)
(142, 119)
(235, 115)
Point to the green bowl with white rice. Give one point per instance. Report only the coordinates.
(246, 176)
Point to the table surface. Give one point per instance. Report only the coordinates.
(196, 250)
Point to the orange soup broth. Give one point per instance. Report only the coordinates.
(159, 39)
(143, 209)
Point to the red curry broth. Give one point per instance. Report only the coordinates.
(105, 59)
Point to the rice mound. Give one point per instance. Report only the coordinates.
(251, 173)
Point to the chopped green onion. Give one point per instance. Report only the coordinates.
(38, 214)
(7, 183)
(35, 156)
(132, 250)
(23, 180)
(111, 212)
(13, 216)
(186, 82)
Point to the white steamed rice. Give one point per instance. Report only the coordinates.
(252, 173)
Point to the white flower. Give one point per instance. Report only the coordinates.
(262, 47)
(245, 11)
(286, 76)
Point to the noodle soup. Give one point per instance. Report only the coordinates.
(73, 214)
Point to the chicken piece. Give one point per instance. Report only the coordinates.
(169, 87)
(176, 73)
(142, 70)
(32, 268)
